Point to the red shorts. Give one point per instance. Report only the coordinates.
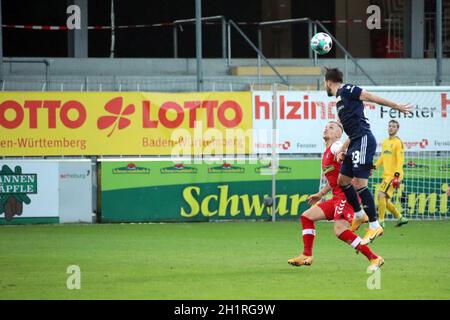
(337, 208)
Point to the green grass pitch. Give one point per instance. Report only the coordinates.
(235, 260)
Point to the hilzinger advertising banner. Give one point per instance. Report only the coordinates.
(302, 115)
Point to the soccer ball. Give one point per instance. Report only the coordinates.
(268, 202)
(321, 43)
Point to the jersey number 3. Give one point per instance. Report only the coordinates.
(355, 156)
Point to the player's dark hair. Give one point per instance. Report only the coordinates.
(333, 74)
(396, 122)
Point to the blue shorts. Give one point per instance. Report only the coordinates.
(359, 157)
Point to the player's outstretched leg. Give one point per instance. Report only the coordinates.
(375, 230)
(308, 235)
(314, 213)
(400, 219)
(381, 208)
(352, 198)
(342, 232)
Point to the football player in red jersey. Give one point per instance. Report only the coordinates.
(337, 208)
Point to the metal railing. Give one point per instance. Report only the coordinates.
(312, 29)
(179, 23)
(44, 61)
(171, 84)
(226, 45)
(347, 54)
(226, 41)
(395, 34)
(429, 38)
(258, 51)
(287, 21)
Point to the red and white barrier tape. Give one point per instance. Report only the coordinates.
(55, 28)
(167, 24)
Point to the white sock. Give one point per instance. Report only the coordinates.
(374, 225)
(359, 214)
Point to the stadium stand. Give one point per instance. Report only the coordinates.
(104, 74)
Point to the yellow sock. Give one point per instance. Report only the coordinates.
(390, 206)
(381, 208)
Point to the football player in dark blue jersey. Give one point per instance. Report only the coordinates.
(358, 151)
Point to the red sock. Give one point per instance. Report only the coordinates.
(353, 240)
(309, 233)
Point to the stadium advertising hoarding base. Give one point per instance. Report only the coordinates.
(168, 191)
(75, 191)
(28, 192)
(422, 193)
(45, 191)
(152, 191)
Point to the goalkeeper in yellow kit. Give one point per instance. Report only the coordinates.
(391, 159)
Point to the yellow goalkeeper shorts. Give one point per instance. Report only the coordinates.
(386, 187)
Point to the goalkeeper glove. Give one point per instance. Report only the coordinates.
(396, 180)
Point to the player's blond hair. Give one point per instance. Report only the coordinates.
(338, 124)
(340, 127)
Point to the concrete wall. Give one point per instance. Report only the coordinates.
(161, 67)
(179, 74)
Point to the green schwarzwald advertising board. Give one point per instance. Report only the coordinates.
(163, 191)
(147, 191)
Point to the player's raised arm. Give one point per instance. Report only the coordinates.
(370, 97)
(340, 153)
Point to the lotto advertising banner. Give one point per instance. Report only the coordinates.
(123, 123)
(143, 191)
(302, 115)
(28, 192)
